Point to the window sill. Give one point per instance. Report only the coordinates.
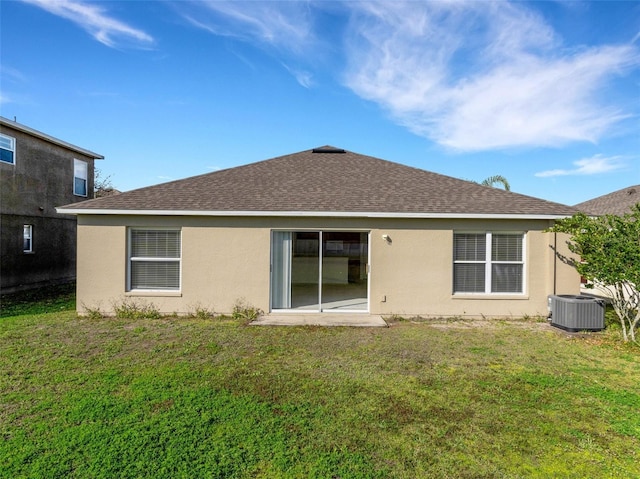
(28, 252)
(151, 293)
(485, 296)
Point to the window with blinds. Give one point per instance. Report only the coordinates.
(488, 263)
(154, 259)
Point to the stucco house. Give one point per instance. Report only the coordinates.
(37, 173)
(323, 230)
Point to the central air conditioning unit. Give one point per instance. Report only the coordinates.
(576, 313)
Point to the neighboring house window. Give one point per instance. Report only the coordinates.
(27, 236)
(80, 169)
(488, 263)
(7, 149)
(154, 259)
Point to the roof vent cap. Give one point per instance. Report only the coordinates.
(328, 149)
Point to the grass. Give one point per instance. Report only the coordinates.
(44, 300)
(215, 398)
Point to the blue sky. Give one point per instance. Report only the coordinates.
(546, 94)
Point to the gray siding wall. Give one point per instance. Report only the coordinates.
(40, 180)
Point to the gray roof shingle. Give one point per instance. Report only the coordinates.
(325, 179)
(617, 203)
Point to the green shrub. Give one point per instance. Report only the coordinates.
(245, 311)
(199, 311)
(92, 312)
(130, 308)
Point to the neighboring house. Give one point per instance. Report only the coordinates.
(618, 203)
(323, 230)
(37, 174)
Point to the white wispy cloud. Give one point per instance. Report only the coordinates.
(588, 166)
(303, 77)
(479, 75)
(9, 75)
(284, 25)
(468, 75)
(12, 74)
(96, 21)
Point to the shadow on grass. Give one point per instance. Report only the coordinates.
(47, 299)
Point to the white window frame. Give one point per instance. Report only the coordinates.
(131, 259)
(78, 167)
(27, 234)
(11, 147)
(489, 262)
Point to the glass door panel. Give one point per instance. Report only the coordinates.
(305, 271)
(344, 271)
(281, 242)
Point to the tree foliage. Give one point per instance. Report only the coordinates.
(102, 185)
(609, 251)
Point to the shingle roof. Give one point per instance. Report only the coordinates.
(617, 203)
(325, 179)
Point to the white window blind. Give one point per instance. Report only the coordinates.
(154, 259)
(469, 263)
(488, 263)
(507, 264)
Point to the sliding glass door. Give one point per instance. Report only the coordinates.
(319, 270)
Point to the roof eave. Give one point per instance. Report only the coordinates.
(313, 214)
(51, 139)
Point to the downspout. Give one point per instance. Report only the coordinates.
(555, 262)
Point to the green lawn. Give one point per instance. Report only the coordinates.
(92, 398)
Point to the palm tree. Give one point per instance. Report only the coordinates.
(492, 180)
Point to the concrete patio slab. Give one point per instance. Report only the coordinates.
(321, 319)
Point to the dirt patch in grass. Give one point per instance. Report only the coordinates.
(541, 325)
(537, 324)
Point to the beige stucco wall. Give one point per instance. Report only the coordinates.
(227, 259)
(414, 274)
